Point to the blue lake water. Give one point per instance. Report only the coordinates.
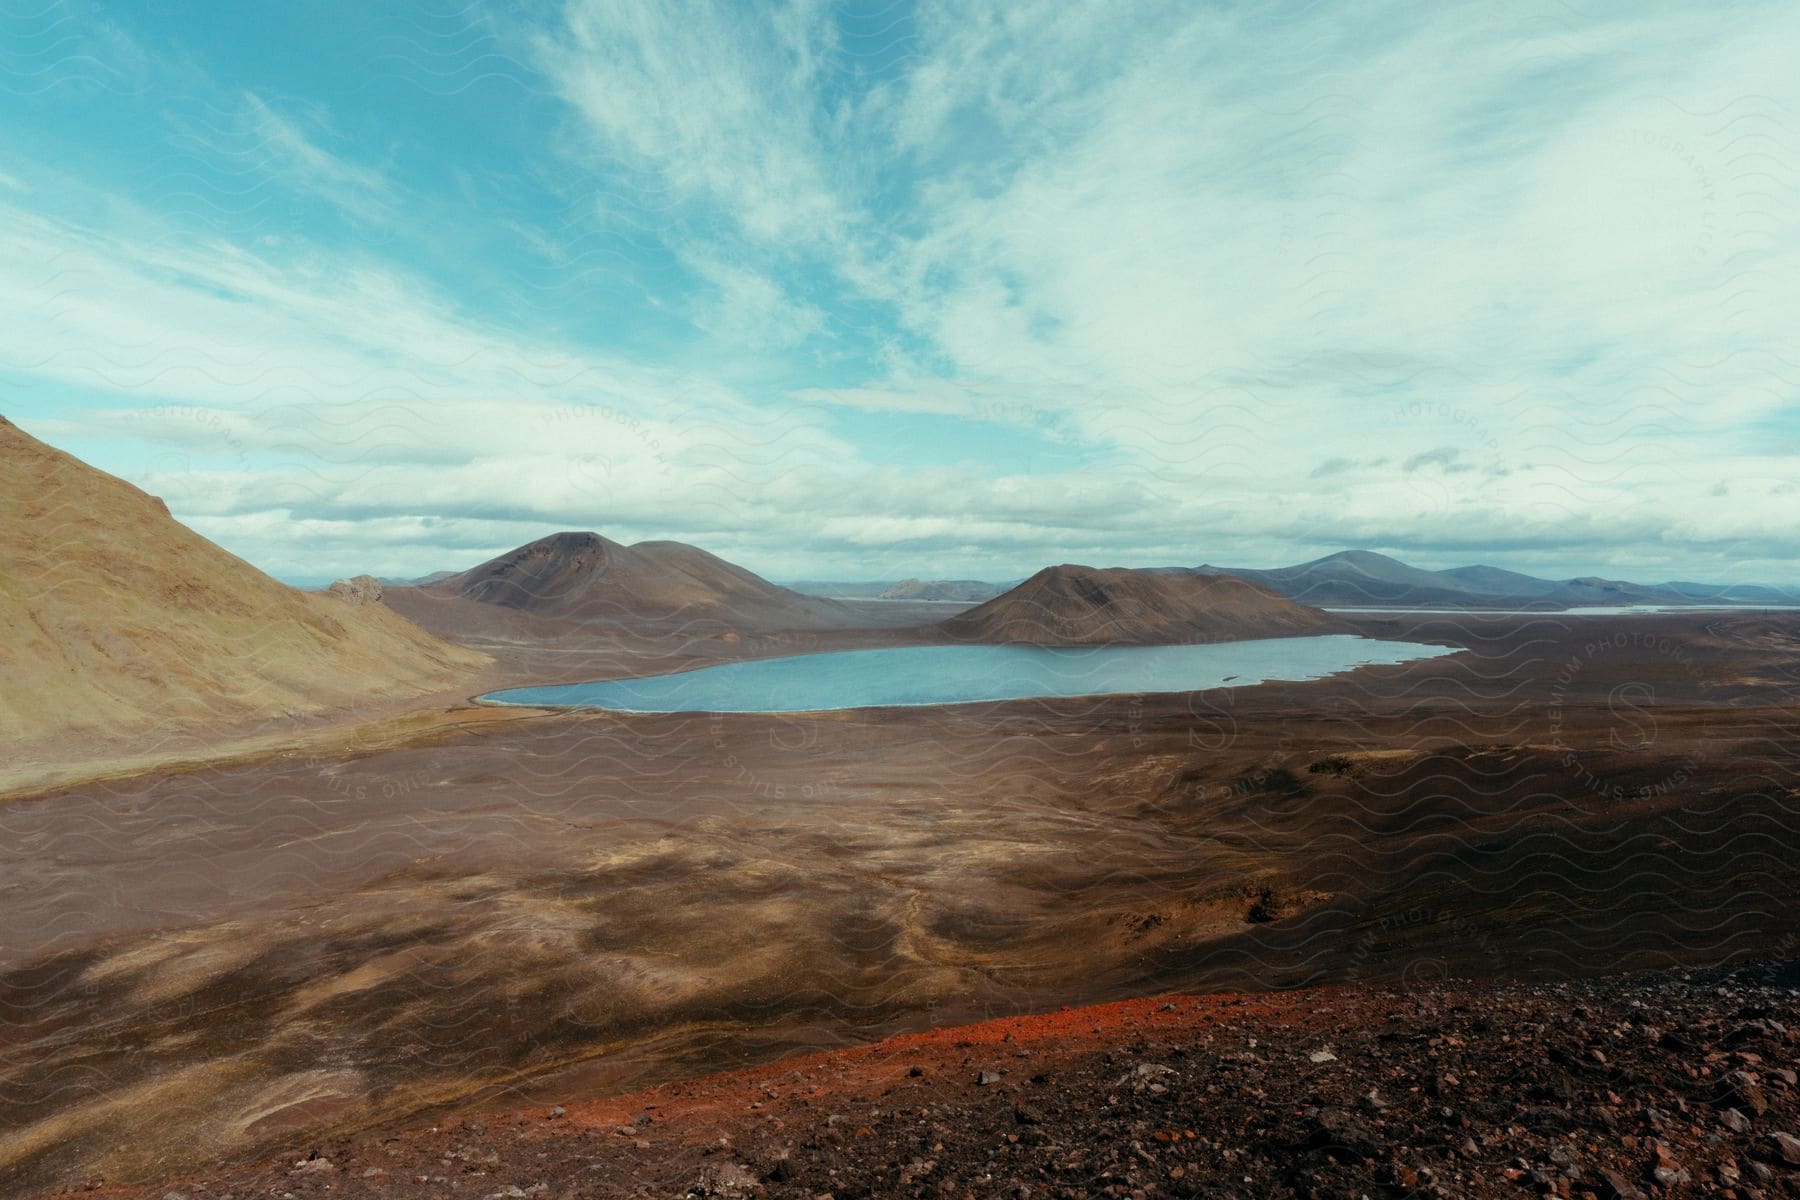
(915, 675)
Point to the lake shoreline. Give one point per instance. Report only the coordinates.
(854, 680)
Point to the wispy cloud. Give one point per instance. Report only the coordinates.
(704, 103)
(243, 152)
(1435, 278)
(280, 146)
(58, 51)
(747, 309)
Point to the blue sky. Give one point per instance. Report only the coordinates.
(861, 291)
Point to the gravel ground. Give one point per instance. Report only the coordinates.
(1664, 1084)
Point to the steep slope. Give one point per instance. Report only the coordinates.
(586, 577)
(115, 617)
(1075, 605)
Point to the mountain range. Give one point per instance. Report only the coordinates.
(1353, 578)
(588, 579)
(118, 617)
(1363, 578)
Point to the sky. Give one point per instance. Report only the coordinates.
(862, 291)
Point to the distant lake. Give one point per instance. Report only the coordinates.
(916, 675)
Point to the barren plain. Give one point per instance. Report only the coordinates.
(480, 907)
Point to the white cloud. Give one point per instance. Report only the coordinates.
(218, 326)
(1435, 279)
(1560, 251)
(705, 102)
(277, 144)
(330, 389)
(746, 309)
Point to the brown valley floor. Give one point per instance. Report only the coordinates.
(484, 908)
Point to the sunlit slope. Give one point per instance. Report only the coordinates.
(114, 616)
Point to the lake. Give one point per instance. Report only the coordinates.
(918, 675)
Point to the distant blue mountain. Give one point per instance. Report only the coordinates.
(1353, 578)
(1363, 578)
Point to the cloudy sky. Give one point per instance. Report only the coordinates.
(859, 291)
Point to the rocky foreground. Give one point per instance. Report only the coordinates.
(1667, 1084)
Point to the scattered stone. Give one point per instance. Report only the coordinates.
(1546, 1118)
(1341, 1133)
(1786, 1148)
(1477, 1094)
(1739, 1090)
(725, 1179)
(1674, 1041)
(1144, 1075)
(1614, 1186)
(1667, 1170)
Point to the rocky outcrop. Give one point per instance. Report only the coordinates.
(360, 589)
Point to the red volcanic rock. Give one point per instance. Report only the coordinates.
(1183, 1097)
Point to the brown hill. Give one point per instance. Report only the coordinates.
(115, 617)
(589, 578)
(1078, 606)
